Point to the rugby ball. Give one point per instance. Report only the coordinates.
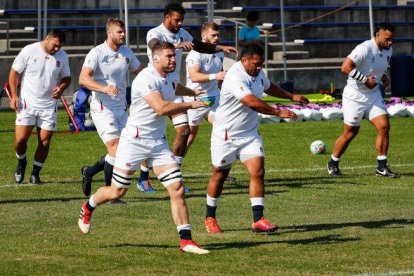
(207, 100)
(318, 147)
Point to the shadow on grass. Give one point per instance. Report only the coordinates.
(32, 200)
(395, 223)
(301, 182)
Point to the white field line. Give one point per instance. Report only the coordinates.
(389, 273)
(243, 172)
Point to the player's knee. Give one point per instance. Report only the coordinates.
(172, 176)
(258, 174)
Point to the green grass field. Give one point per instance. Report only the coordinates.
(356, 224)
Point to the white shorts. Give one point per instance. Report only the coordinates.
(43, 118)
(196, 116)
(109, 123)
(357, 105)
(224, 153)
(132, 151)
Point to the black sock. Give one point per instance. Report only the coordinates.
(108, 168)
(97, 167)
(144, 175)
(185, 234)
(382, 163)
(333, 162)
(36, 170)
(211, 211)
(89, 207)
(257, 212)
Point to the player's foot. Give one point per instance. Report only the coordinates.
(20, 170)
(86, 181)
(35, 179)
(264, 225)
(84, 221)
(212, 226)
(231, 179)
(333, 168)
(117, 201)
(385, 170)
(191, 246)
(145, 186)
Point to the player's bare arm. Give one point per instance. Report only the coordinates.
(197, 76)
(277, 91)
(13, 81)
(349, 68)
(181, 90)
(168, 108)
(86, 80)
(61, 87)
(260, 106)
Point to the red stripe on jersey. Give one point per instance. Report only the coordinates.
(25, 104)
(226, 136)
(137, 135)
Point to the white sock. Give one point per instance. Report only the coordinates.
(144, 169)
(381, 157)
(38, 163)
(20, 157)
(92, 203)
(183, 227)
(212, 201)
(257, 201)
(336, 159)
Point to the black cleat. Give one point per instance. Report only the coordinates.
(384, 170)
(86, 182)
(333, 168)
(35, 180)
(20, 170)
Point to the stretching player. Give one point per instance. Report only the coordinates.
(104, 73)
(170, 30)
(235, 134)
(44, 71)
(366, 67)
(143, 138)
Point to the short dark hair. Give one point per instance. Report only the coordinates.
(385, 26)
(57, 33)
(114, 22)
(173, 7)
(161, 45)
(252, 16)
(252, 49)
(210, 25)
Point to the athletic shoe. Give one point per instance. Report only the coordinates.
(386, 171)
(191, 246)
(117, 201)
(20, 170)
(86, 182)
(333, 168)
(84, 221)
(231, 179)
(35, 179)
(145, 186)
(263, 225)
(212, 226)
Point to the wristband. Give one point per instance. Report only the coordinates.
(356, 75)
(211, 76)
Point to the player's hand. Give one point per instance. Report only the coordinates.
(186, 45)
(197, 104)
(229, 49)
(300, 98)
(14, 103)
(286, 113)
(111, 90)
(56, 93)
(371, 82)
(220, 75)
(385, 81)
(198, 92)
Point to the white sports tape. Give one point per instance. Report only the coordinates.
(170, 176)
(180, 120)
(356, 75)
(120, 179)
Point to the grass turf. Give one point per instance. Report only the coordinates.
(358, 223)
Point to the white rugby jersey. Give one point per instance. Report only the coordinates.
(234, 119)
(370, 61)
(142, 118)
(110, 67)
(161, 33)
(40, 74)
(208, 64)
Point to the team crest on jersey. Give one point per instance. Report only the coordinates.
(128, 165)
(127, 60)
(57, 63)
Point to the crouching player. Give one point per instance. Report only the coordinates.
(235, 133)
(143, 138)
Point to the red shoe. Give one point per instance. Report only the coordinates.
(212, 226)
(84, 221)
(263, 225)
(191, 246)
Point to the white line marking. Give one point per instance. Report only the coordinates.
(389, 273)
